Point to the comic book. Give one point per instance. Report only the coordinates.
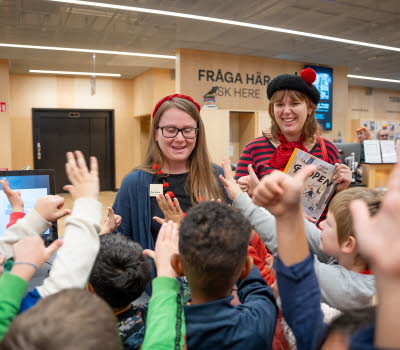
(319, 187)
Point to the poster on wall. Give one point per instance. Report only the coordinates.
(323, 83)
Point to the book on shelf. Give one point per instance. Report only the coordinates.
(319, 186)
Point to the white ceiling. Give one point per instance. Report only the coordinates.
(45, 23)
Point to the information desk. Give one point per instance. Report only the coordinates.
(376, 175)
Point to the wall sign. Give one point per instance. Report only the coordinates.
(3, 107)
(221, 80)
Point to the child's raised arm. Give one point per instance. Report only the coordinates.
(14, 197)
(47, 209)
(29, 254)
(378, 239)
(280, 194)
(297, 282)
(75, 259)
(165, 324)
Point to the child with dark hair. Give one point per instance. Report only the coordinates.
(212, 255)
(119, 276)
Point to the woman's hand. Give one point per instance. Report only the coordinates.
(171, 210)
(342, 177)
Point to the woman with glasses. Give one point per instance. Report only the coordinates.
(176, 163)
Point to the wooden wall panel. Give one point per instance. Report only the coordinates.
(5, 117)
(30, 91)
(149, 87)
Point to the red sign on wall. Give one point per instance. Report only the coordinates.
(3, 107)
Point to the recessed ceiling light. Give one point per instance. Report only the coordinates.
(73, 73)
(225, 21)
(373, 78)
(57, 48)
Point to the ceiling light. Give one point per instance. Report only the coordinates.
(73, 73)
(373, 78)
(57, 48)
(225, 21)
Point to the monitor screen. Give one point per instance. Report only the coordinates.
(346, 149)
(33, 184)
(323, 83)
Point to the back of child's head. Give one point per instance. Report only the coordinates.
(340, 208)
(213, 245)
(121, 272)
(72, 319)
(339, 331)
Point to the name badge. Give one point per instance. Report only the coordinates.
(156, 189)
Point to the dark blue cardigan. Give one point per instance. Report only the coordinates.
(133, 204)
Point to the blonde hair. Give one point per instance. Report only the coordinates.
(201, 183)
(311, 128)
(340, 208)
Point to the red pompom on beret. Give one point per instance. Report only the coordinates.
(308, 75)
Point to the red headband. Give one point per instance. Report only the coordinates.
(170, 97)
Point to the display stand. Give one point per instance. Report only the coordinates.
(376, 175)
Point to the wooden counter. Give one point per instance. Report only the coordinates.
(376, 175)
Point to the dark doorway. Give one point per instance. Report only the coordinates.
(57, 131)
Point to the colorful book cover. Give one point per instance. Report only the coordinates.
(319, 187)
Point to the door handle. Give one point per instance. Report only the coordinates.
(38, 151)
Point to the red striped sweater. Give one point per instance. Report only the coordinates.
(260, 150)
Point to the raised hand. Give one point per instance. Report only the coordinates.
(171, 209)
(249, 182)
(84, 182)
(231, 187)
(30, 253)
(280, 192)
(378, 237)
(50, 208)
(166, 247)
(342, 177)
(112, 222)
(252, 181)
(14, 197)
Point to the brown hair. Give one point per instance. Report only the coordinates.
(340, 208)
(201, 182)
(311, 128)
(73, 319)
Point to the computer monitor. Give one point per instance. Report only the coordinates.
(346, 149)
(32, 184)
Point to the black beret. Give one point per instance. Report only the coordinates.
(301, 83)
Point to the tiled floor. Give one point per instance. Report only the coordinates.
(107, 198)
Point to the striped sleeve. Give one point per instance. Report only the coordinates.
(257, 153)
(333, 153)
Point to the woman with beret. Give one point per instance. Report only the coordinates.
(293, 101)
(176, 163)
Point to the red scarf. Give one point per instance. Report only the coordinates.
(283, 152)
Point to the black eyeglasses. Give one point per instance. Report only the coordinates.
(171, 131)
